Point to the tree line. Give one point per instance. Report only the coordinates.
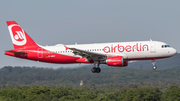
(46, 93)
(112, 84)
(109, 77)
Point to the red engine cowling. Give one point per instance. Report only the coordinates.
(117, 61)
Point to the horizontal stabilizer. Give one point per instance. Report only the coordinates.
(17, 52)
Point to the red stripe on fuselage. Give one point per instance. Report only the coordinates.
(151, 58)
(42, 55)
(51, 57)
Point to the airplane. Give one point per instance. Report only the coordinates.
(115, 54)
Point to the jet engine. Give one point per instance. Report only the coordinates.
(117, 61)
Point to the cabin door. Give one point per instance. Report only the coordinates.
(153, 47)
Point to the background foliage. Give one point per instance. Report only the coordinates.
(46, 93)
(109, 77)
(112, 84)
(137, 82)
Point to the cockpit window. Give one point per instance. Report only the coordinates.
(165, 46)
(168, 46)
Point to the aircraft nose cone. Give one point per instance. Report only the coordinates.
(173, 51)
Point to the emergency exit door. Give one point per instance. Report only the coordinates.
(40, 53)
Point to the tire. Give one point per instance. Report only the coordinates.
(98, 70)
(93, 70)
(154, 67)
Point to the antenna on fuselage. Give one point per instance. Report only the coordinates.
(75, 43)
(150, 40)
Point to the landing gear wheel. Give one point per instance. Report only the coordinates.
(94, 70)
(154, 67)
(98, 70)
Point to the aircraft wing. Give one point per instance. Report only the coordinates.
(89, 55)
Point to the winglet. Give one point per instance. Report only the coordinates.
(66, 47)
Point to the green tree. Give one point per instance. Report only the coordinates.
(171, 94)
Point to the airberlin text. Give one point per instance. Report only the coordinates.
(127, 48)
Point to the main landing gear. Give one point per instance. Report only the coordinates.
(154, 66)
(96, 69)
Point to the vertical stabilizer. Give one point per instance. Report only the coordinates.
(20, 38)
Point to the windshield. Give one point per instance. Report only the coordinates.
(165, 46)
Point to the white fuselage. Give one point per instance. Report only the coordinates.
(140, 50)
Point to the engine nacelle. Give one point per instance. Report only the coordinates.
(117, 61)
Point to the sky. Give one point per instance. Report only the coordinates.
(51, 22)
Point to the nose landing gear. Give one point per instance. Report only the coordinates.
(154, 66)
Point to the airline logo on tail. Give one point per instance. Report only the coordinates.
(17, 35)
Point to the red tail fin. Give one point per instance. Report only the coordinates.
(19, 37)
